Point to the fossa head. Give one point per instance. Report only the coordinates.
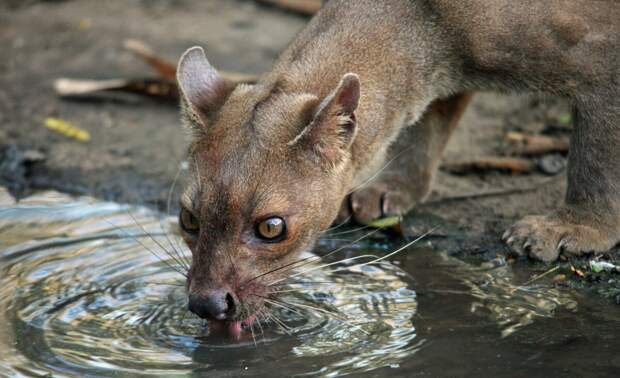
(268, 171)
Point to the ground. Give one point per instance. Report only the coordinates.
(138, 145)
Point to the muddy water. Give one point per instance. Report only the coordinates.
(86, 289)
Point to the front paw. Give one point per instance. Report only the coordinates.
(379, 201)
(545, 237)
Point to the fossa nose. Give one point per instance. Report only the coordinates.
(214, 305)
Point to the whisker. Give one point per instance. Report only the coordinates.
(324, 266)
(314, 283)
(165, 284)
(287, 291)
(253, 336)
(357, 257)
(279, 323)
(174, 268)
(262, 332)
(289, 305)
(155, 240)
(331, 313)
(371, 178)
(164, 233)
(168, 203)
(246, 310)
(315, 258)
(309, 259)
(179, 255)
(339, 225)
(348, 231)
(306, 289)
(334, 240)
(198, 173)
(395, 252)
(280, 304)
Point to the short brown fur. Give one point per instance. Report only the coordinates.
(308, 132)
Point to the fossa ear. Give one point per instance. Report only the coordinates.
(202, 90)
(333, 127)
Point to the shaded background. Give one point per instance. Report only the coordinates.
(138, 144)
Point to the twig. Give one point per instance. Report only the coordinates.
(491, 193)
(491, 163)
(536, 278)
(307, 7)
(535, 145)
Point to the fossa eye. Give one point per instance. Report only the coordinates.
(189, 223)
(271, 229)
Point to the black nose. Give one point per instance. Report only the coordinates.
(215, 304)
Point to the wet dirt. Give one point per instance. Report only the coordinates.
(138, 145)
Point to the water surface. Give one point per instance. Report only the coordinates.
(86, 289)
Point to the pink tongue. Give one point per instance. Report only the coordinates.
(234, 329)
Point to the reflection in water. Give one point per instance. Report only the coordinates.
(81, 293)
(510, 306)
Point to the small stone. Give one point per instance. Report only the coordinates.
(559, 278)
(552, 164)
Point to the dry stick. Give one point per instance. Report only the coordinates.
(491, 193)
(164, 86)
(536, 278)
(161, 88)
(534, 145)
(307, 7)
(491, 163)
(167, 70)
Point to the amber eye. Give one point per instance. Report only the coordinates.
(271, 229)
(189, 223)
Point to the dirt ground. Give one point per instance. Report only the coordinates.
(138, 145)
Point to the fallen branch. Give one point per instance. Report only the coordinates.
(535, 145)
(160, 88)
(164, 86)
(502, 164)
(491, 193)
(307, 7)
(167, 70)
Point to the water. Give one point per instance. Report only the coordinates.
(80, 294)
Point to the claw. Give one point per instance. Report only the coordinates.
(506, 235)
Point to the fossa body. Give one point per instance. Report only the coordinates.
(366, 82)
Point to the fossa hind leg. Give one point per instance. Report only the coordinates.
(407, 179)
(589, 220)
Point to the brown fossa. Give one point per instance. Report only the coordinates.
(272, 164)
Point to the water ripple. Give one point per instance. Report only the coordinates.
(81, 295)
